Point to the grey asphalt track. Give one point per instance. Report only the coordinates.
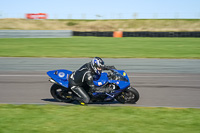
(160, 82)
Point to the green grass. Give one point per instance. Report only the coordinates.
(91, 119)
(101, 46)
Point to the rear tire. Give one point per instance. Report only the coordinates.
(130, 95)
(61, 94)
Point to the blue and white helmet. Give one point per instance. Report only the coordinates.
(97, 62)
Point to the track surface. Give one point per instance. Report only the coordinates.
(160, 82)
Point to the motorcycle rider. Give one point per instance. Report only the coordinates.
(83, 77)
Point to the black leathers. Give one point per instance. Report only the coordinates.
(83, 78)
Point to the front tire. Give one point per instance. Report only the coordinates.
(130, 95)
(61, 94)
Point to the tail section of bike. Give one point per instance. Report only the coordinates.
(60, 77)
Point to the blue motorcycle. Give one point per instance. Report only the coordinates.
(116, 79)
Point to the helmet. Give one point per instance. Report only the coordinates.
(97, 65)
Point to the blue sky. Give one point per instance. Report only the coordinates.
(102, 9)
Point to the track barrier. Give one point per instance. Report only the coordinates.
(117, 34)
(68, 33)
(137, 34)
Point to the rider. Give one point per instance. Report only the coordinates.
(83, 77)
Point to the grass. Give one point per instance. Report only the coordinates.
(101, 46)
(91, 119)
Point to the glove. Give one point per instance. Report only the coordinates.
(112, 67)
(108, 67)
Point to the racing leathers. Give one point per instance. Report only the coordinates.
(82, 79)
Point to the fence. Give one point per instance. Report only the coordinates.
(35, 33)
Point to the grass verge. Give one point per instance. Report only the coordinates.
(91, 119)
(101, 46)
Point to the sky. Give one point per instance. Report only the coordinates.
(102, 9)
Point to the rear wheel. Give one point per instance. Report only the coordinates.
(61, 94)
(130, 95)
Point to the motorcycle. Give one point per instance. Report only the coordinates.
(117, 80)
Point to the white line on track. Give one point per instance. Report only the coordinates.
(129, 76)
(164, 76)
(22, 75)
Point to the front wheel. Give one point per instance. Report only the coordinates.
(61, 94)
(130, 95)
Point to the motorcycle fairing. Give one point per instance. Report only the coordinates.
(122, 72)
(102, 80)
(60, 76)
(121, 84)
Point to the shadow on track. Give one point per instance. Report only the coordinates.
(76, 102)
(50, 100)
